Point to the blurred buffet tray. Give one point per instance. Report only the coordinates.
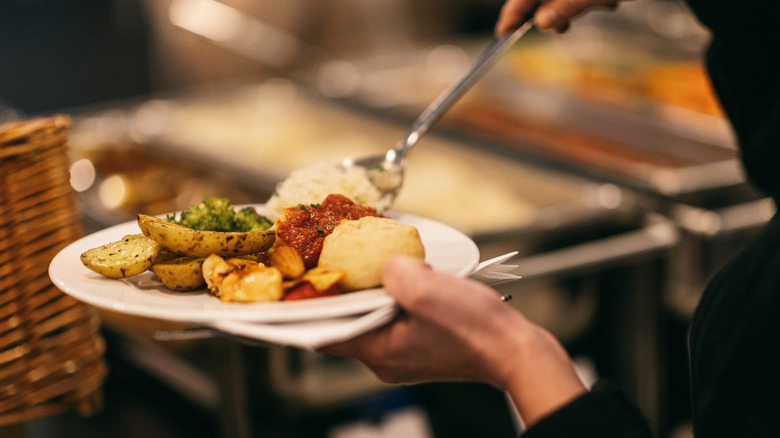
(623, 108)
(255, 134)
(643, 153)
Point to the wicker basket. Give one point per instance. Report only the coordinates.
(51, 350)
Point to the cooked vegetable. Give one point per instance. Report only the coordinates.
(130, 256)
(196, 243)
(322, 278)
(181, 273)
(306, 290)
(243, 280)
(218, 214)
(318, 278)
(288, 261)
(165, 255)
(237, 256)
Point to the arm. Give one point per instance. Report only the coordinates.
(458, 330)
(550, 14)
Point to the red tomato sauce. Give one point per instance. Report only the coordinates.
(306, 290)
(306, 226)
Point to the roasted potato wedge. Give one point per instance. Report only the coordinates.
(195, 243)
(323, 279)
(181, 273)
(288, 261)
(124, 258)
(165, 256)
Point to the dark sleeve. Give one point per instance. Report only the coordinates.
(604, 412)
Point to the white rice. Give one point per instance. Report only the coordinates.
(311, 185)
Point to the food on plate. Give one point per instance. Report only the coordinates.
(361, 247)
(322, 278)
(180, 273)
(174, 251)
(323, 281)
(219, 214)
(130, 256)
(196, 243)
(305, 226)
(245, 264)
(305, 291)
(312, 184)
(247, 280)
(242, 280)
(288, 261)
(165, 255)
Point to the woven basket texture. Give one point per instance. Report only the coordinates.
(51, 350)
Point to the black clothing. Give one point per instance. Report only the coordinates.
(735, 332)
(734, 339)
(604, 412)
(734, 344)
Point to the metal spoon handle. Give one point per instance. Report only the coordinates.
(448, 97)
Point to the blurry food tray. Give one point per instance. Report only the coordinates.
(260, 132)
(606, 143)
(615, 109)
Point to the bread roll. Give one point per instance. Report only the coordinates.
(361, 248)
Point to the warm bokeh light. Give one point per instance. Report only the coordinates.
(113, 191)
(82, 175)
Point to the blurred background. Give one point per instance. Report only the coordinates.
(600, 155)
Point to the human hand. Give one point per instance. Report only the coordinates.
(547, 14)
(448, 329)
(456, 329)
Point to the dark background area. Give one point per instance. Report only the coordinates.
(61, 53)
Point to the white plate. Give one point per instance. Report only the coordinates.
(447, 250)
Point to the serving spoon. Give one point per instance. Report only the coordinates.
(386, 170)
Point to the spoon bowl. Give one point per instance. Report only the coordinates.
(384, 171)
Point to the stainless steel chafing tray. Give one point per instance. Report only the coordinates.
(615, 106)
(254, 135)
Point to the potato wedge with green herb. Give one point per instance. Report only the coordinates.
(181, 273)
(124, 258)
(196, 243)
